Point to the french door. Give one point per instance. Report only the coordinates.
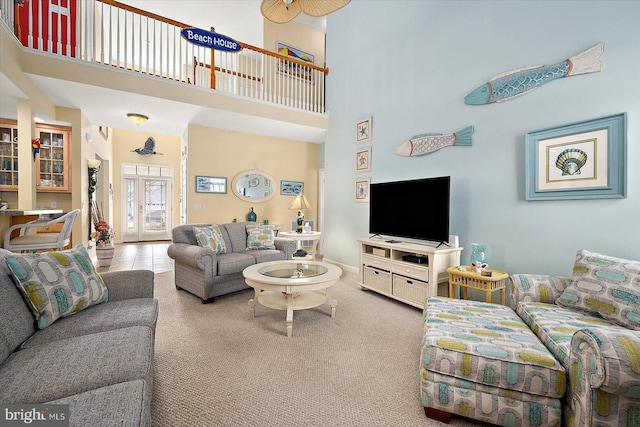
(147, 208)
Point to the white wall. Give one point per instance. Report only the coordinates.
(409, 64)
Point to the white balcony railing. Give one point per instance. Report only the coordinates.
(117, 35)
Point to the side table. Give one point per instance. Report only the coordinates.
(314, 236)
(470, 279)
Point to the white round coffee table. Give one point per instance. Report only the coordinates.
(292, 285)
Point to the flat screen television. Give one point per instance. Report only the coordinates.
(415, 209)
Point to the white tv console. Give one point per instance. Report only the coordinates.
(382, 269)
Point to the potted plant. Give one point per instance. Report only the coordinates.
(103, 236)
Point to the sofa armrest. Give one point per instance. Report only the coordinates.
(129, 284)
(288, 246)
(535, 288)
(607, 359)
(194, 256)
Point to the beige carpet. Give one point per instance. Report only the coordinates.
(215, 366)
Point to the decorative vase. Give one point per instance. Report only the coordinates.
(251, 216)
(105, 255)
(478, 253)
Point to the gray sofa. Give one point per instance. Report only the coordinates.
(98, 361)
(207, 275)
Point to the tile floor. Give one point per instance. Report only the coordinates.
(144, 255)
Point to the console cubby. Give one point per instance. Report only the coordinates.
(383, 269)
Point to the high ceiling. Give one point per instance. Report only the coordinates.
(239, 19)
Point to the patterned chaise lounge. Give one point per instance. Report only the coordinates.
(589, 323)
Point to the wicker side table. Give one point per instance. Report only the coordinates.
(469, 279)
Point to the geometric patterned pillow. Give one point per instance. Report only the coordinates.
(57, 284)
(260, 237)
(210, 237)
(536, 288)
(607, 286)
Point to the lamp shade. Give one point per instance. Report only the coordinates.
(300, 203)
(93, 163)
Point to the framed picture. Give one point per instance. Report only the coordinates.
(362, 189)
(291, 188)
(585, 160)
(363, 160)
(211, 184)
(293, 68)
(363, 130)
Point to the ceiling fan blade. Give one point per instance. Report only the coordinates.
(320, 7)
(278, 11)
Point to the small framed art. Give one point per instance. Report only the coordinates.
(211, 184)
(362, 186)
(585, 160)
(363, 130)
(295, 69)
(363, 160)
(291, 188)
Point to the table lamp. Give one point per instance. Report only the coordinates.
(300, 203)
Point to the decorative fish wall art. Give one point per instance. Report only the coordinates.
(427, 143)
(512, 84)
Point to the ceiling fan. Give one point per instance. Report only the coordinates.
(281, 11)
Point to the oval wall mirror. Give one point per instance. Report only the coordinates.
(253, 186)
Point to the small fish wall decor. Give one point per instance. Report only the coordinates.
(515, 83)
(427, 143)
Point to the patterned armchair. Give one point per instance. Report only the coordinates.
(593, 332)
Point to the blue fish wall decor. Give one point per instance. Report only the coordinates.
(512, 84)
(427, 143)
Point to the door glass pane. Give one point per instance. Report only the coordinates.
(130, 188)
(155, 205)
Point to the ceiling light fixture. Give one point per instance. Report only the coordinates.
(137, 119)
(281, 11)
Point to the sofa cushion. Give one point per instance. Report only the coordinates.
(237, 232)
(260, 237)
(488, 344)
(234, 263)
(66, 367)
(267, 255)
(57, 284)
(17, 320)
(103, 317)
(123, 404)
(607, 286)
(210, 237)
(555, 325)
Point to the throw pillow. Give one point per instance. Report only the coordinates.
(210, 237)
(57, 284)
(260, 237)
(607, 286)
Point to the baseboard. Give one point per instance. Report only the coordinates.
(344, 267)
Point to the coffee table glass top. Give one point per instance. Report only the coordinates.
(293, 271)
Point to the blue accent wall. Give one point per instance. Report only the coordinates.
(409, 64)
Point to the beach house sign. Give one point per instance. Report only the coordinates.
(210, 39)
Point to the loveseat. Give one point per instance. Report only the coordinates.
(98, 359)
(587, 373)
(209, 272)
